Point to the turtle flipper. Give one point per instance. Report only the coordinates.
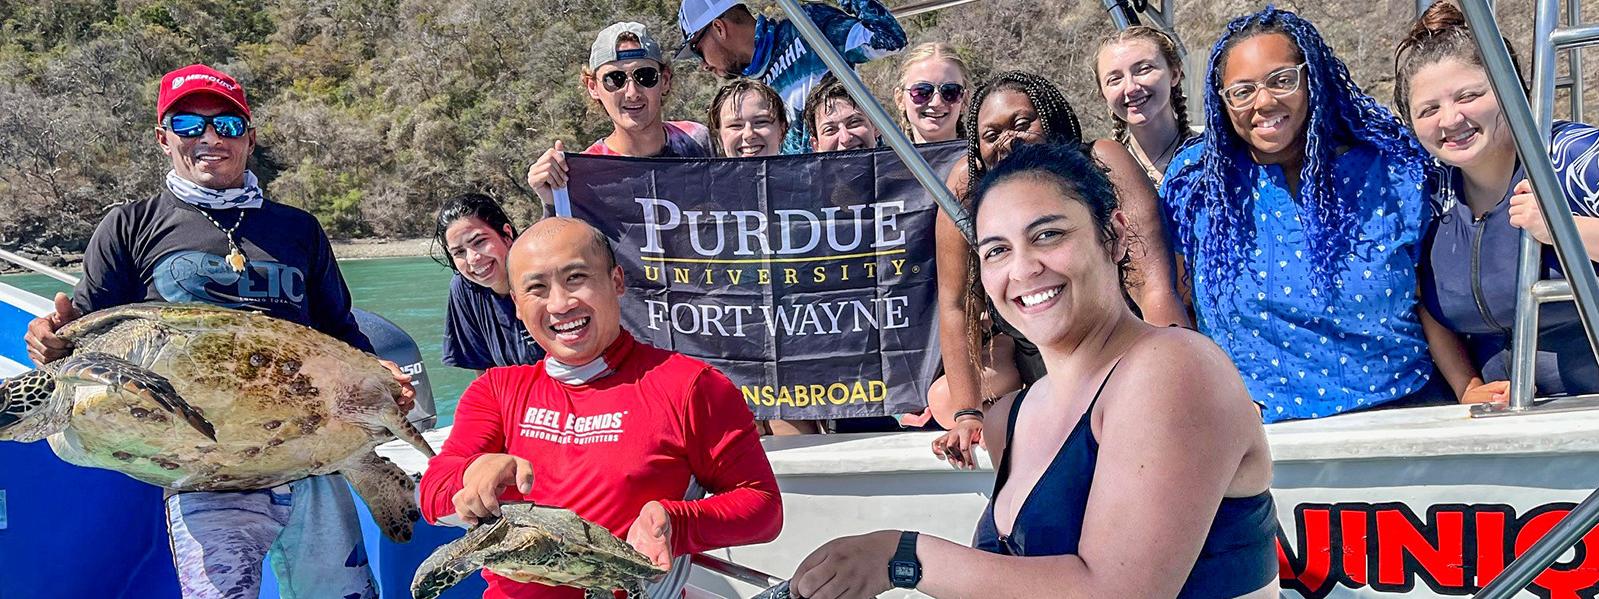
(112, 371)
(634, 590)
(457, 559)
(387, 491)
(29, 408)
(377, 412)
(405, 431)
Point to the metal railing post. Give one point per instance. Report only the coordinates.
(927, 6)
(1574, 63)
(874, 111)
(1567, 533)
(1118, 13)
(1530, 133)
(1524, 334)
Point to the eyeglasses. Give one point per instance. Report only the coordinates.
(645, 77)
(193, 125)
(922, 92)
(1280, 82)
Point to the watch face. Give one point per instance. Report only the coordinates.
(903, 571)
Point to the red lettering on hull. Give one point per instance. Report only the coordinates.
(1455, 550)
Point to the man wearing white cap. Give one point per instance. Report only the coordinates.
(732, 42)
(630, 79)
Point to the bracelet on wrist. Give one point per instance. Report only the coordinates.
(973, 412)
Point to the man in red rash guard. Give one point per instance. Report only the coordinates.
(617, 431)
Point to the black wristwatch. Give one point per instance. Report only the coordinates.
(904, 570)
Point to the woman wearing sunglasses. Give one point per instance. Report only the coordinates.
(1481, 205)
(932, 92)
(1140, 76)
(628, 77)
(1300, 213)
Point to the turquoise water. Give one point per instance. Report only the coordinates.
(412, 292)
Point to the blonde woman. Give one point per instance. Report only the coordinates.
(1140, 75)
(931, 95)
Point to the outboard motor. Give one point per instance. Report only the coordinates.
(393, 344)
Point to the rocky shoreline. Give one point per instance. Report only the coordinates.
(348, 249)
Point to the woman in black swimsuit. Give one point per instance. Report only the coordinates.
(1137, 467)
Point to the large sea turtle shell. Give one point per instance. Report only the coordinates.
(196, 397)
(546, 545)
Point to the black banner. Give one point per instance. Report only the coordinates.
(808, 279)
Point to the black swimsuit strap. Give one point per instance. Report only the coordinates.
(1003, 472)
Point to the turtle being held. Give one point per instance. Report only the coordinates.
(193, 397)
(529, 543)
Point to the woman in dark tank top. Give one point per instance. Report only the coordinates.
(1137, 467)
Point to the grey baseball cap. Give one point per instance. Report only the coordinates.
(604, 49)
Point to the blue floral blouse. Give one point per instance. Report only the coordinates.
(1305, 351)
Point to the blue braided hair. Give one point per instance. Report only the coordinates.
(1340, 115)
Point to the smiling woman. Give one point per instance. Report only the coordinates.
(1136, 468)
(480, 327)
(1300, 214)
(932, 92)
(1482, 203)
(1140, 76)
(747, 118)
(1014, 109)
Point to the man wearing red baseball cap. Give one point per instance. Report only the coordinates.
(211, 235)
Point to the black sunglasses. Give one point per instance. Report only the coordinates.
(645, 77)
(692, 44)
(184, 124)
(922, 93)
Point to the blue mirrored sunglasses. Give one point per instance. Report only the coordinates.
(193, 125)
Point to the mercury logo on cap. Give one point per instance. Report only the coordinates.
(198, 78)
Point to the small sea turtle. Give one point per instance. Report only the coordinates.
(546, 545)
(193, 397)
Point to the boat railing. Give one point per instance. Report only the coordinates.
(1531, 120)
(1530, 123)
(744, 574)
(926, 6)
(35, 266)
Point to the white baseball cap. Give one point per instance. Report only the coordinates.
(604, 48)
(694, 15)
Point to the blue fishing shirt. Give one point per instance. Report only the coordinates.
(864, 30)
(1305, 351)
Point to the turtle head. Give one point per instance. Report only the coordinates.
(29, 408)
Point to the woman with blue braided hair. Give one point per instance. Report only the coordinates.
(1299, 213)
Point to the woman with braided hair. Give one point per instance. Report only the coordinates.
(1017, 108)
(1140, 75)
(1481, 205)
(1299, 214)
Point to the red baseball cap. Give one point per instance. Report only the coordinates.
(198, 78)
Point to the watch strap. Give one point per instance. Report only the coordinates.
(905, 555)
(907, 547)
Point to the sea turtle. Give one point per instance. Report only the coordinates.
(547, 545)
(193, 397)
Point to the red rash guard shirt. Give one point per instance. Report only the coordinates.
(605, 448)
